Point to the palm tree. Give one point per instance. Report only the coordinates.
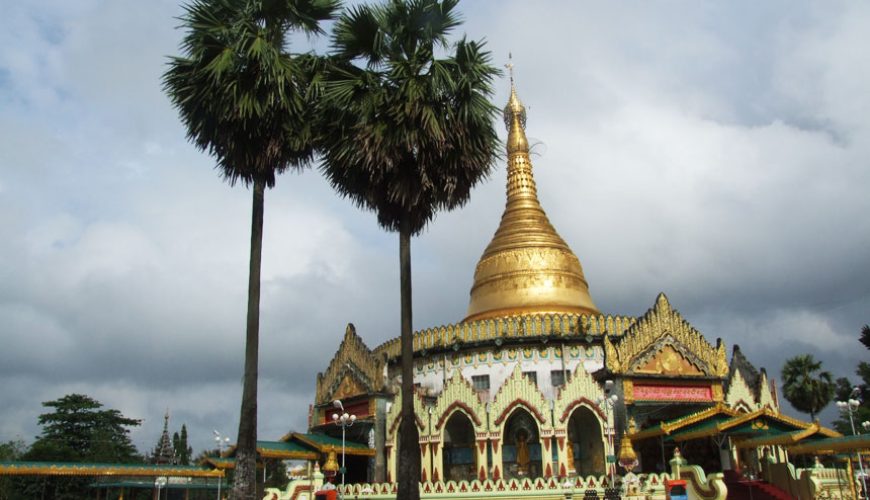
(407, 134)
(243, 98)
(805, 386)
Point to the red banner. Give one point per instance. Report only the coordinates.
(672, 392)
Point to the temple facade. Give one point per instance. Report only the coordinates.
(535, 381)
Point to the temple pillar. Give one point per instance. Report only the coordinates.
(480, 462)
(547, 466)
(425, 459)
(497, 464)
(563, 466)
(437, 460)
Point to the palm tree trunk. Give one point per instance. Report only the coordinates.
(409, 438)
(244, 484)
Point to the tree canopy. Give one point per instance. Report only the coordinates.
(243, 97)
(77, 428)
(805, 385)
(406, 133)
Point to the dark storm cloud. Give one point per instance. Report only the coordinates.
(716, 152)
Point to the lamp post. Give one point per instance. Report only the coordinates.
(849, 407)
(221, 442)
(606, 403)
(345, 421)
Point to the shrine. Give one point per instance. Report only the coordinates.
(536, 381)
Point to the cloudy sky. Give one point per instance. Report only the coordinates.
(716, 151)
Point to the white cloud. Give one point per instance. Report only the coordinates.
(716, 152)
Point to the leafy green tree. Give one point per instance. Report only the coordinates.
(243, 98)
(183, 451)
(805, 385)
(407, 133)
(78, 429)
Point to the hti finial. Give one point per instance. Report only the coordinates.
(510, 67)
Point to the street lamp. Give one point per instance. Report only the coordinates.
(345, 421)
(221, 442)
(606, 403)
(849, 407)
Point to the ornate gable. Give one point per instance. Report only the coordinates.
(740, 396)
(581, 390)
(518, 390)
(354, 370)
(663, 343)
(739, 364)
(459, 395)
(765, 395)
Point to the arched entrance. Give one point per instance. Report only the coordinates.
(521, 454)
(587, 443)
(458, 451)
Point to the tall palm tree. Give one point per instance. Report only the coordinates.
(805, 385)
(408, 133)
(243, 98)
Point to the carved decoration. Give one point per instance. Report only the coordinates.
(739, 394)
(667, 360)
(352, 356)
(659, 321)
(348, 387)
(517, 326)
(581, 390)
(518, 390)
(458, 395)
(765, 395)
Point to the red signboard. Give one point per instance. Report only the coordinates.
(672, 392)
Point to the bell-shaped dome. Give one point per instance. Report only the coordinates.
(527, 267)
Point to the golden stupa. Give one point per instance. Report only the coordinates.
(527, 267)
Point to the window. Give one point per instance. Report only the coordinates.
(557, 377)
(533, 376)
(480, 382)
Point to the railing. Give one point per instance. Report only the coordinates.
(647, 486)
(811, 483)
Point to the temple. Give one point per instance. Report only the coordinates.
(536, 381)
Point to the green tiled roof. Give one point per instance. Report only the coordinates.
(102, 469)
(322, 443)
(830, 445)
(286, 449)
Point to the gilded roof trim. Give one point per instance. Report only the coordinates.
(95, 469)
(658, 322)
(354, 356)
(666, 428)
(519, 327)
(744, 418)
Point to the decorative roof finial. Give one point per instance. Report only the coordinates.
(515, 117)
(510, 68)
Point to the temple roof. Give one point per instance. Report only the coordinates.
(527, 267)
(747, 371)
(103, 469)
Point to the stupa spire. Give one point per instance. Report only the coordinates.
(527, 267)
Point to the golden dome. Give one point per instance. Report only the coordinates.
(527, 267)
